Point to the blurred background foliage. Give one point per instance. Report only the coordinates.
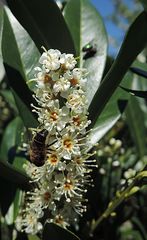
(117, 207)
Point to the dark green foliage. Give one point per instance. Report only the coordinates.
(116, 210)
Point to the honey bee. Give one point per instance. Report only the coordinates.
(37, 152)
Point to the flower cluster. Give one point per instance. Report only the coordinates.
(60, 181)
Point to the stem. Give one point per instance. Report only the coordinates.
(116, 202)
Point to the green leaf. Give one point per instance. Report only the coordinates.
(141, 84)
(33, 237)
(136, 123)
(120, 65)
(55, 232)
(22, 98)
(9, 98)
(20, 56)
(136, 113)
(14, 208)
(44, 22)
(13, 175)
(18, 49)
(86, 25)
(2, 70)
(112, 112)
(11, 138)
(8, 191)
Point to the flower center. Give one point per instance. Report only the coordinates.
(47, 78)
(78, 160)
(68, 144)
(74, 81)
(47, 196)
(74, 100)
(68, 185)
(54, 116)
(76, 120)
(53, 159)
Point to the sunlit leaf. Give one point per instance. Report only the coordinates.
(86, 26)
(44, 22)
(112, 111)
(120, 65)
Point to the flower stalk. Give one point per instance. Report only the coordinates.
(60, 143)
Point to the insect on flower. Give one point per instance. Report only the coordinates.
(37, 153)
(89, 49)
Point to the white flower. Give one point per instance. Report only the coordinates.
(54, 162)
(78, 77)
(68, 61)
(70, 186)
(77, 101)
(79, 122)
(61, 85)
(59, 219)
(67, 145)
(50, 59)
(52, 117)
(29, 223)
(59, 185)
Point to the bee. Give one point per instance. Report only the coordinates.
(89, 49)
(37, 152)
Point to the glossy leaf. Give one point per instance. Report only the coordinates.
(22, 98)
(18, 49)
(8, 149)
(86, 26)
(13, 208)
(141, 85)
(11, 139)
(44, 22)
(112, 111)
(55, 232)
(20, 56)
(11, 174)
(2, 70)
(33, 237)
(137, 93)
(8, 191)
(139, 72)
(136, 122)
(136, 117)
(120, 65)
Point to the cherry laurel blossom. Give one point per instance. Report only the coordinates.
(59, 186)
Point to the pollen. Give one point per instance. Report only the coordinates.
(53, 159)
(78, 160)
(74, 81)
(76, 120)
(68, 185)
(54, 116)
(47, 196)
(68, 144)
(47, 78)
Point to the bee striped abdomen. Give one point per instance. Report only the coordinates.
(38, 148)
